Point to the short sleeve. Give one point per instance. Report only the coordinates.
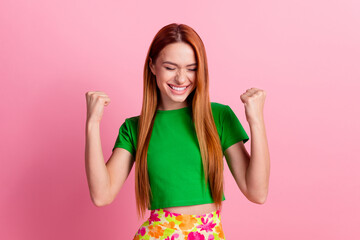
(232, 130)
(124, 138)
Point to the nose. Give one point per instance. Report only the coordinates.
(181, 77)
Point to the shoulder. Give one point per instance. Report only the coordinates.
(218, 108)
(219, 111)
(133, 119)
(132, 122)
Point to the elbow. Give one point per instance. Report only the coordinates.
(100, 202)
(259, 201)
(262, 197)
(259, 198)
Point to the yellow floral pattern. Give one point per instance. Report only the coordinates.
(166, 225)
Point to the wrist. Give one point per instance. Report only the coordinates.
(258, 123)
(90, 124)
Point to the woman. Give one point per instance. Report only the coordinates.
(178, 132)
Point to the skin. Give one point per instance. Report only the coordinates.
(251, 172)
(175, 65)
(179, 74)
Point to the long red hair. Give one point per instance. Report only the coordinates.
(198, 99)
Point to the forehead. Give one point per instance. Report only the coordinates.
(178, 52)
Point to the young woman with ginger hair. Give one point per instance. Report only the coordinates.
(178, 132)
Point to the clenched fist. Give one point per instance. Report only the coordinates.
(95, 102)
(254, 99)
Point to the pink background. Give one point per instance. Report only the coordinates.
(304, 54)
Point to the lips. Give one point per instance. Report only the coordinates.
(177, 91)
(177, 86)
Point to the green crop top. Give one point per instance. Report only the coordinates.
(175, 168)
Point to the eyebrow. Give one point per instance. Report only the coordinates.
(177, 65)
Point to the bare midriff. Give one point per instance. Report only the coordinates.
(193, 209)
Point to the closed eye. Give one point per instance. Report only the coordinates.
(174, 69)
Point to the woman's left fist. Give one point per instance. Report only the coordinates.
(254, 99)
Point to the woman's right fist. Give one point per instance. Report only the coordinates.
(95, 102)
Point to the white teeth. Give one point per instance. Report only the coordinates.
(178, 89)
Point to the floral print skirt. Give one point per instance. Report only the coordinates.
(166, 225)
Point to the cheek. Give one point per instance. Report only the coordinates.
(192, 77)
(165, 76)
(162, 80)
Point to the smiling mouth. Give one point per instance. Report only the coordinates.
(178, 88)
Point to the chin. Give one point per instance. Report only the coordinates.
(179, 100)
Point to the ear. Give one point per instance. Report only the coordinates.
(152, 66)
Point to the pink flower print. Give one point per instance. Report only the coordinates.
(167, 213)
(211, 237)
(142, 231)
(172, 237)
(218, 212)
(207, 226)
(195, 236)
(210, 215)
(153, 217)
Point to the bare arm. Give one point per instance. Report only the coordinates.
(104, 180)
(252, 173)
(96, 172)
(119, 167)
(238, 160)
(258, 171)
